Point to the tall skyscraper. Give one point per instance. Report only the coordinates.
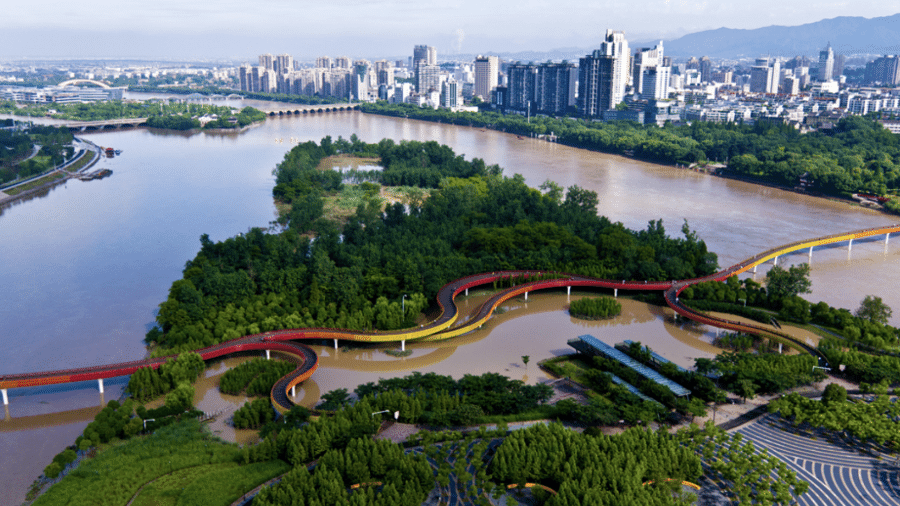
(424, 56)
(705, 69)
(603, 75)
(486, 71)
(826, 64)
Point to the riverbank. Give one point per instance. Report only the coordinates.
(657, 146)
(57, 176)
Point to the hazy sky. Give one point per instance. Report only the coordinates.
(358, 28)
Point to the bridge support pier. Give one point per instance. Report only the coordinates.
(403, 345)
(810, 252)
(100, 384)
(526, 295)
(5, 397)
(850, 245)
(615, 292)
(887, 237)
(294, 391)
(779, 348)
(335, 344)
(467, 292)
(268, 355)
(775, 261)
(754, 269)
(568, 290)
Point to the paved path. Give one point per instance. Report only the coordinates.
(837, 475)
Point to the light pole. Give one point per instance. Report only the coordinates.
(396, 413)
(148, 420)
(403, 305)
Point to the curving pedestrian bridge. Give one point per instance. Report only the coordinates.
(445, 326)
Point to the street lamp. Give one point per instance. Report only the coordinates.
(396, 413)
(148, 420)
(403, 305)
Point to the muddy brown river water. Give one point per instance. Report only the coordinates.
(85, 266)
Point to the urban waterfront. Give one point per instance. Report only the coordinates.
(87, 264)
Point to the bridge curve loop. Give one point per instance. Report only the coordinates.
(443, 327)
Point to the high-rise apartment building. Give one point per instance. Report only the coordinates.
(246, 77)
(324, 62)
(384, 73)
(342, 62)
(839, 62)
(548, 88)
(428, 78)
(649, 64)
(284, 63)
(603, 75)
(884, 70)
(765, 76)
(486, 72)
(425, 56)
(449, 93)
(826, 64)
(267, 61)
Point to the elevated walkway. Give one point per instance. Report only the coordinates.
(442, 327)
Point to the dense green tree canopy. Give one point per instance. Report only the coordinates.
(354, 275)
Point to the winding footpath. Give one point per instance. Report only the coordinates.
(443, 326)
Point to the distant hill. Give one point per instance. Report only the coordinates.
(848, 35)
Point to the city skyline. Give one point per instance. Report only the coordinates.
(203, 29)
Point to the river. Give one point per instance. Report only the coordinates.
(85, 266)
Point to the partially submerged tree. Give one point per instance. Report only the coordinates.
(874, 309)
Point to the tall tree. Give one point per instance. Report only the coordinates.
(781, 283)
(874, 309)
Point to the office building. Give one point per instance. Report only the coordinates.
(705, 70)
(486, 72)
(603, 75)
(826, 64)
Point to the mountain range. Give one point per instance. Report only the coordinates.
(847, 35)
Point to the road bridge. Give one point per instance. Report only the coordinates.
(104, 124)
(294, 110)
(443, 326)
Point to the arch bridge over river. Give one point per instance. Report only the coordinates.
(443, 326)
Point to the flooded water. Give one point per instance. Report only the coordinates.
(85, 266)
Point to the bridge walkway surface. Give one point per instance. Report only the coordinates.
(442, 326)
